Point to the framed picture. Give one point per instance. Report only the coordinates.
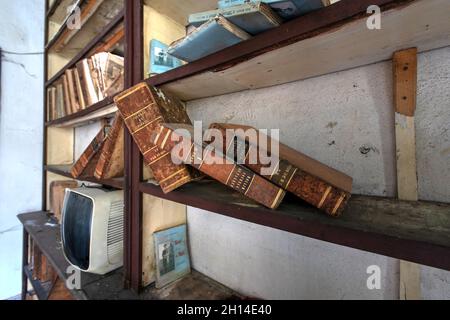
(160, 60)
(172, 255)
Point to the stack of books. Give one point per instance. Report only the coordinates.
(92, 80)
(235, 21)
(154, 118)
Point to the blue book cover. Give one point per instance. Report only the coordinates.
(160, 60)
(172, 255)
(287, 9)
(251, 17)
(213, 36)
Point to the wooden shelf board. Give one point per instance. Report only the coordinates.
(89, 23)
(64, 170)
(45, 231)
(333, 39)
(102, 109)
(89, 47)
(417, 232)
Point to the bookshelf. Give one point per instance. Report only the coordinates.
(379, 225)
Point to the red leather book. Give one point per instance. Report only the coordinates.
(215, 164)
(295, 172)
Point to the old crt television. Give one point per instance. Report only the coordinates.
(92, 229)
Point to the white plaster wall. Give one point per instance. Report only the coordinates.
(21, 30)
(330, 118)
(272, 264)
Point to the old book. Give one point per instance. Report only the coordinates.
(53, 103)
(60, 109)
(94, 70)
(217, 165)
(72, 91)
(111, 157)
(87, 82)
(286, 9)
(67, 102)
(91, 151)
(212, 36)
(144, 109)
(57, 193)
(111, 73)
(253, 18)
(49, 104)
(310, 180)
(79, 89)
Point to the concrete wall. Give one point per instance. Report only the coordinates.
(336, 119)
(22, 30)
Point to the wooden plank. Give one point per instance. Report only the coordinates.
(405, 81)
(405, 92)
(414, 231)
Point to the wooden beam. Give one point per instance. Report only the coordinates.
(405, 93)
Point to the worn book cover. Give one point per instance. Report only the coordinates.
(91, 151)
(57, 193)
(310, 180)
(212, 36)
(253, 18)
(172, 255)
(72, 91)
(60, 109)
(111, 160)
(87, 82)
(112, 75)
(53, 112)
(144, 109)
(286, 9)
(79, 89)
(66, 92)
(217, 165)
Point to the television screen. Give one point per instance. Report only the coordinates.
(76, 229)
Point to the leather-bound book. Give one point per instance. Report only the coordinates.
(308, 179)
(57, 193)
(91, 151)
(94, 70)
(111, 160)
(67, 102)
(72, 91)
(60, 109)
(217, 165)
(113, 75)
(79, 89)
(144, 109)
(53, 113)
(87, 83)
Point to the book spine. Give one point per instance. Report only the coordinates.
(142, 116)
(60, 100)
(310, 188)
(87, 84)
(67, 105)
(222, 4)
(216, 165)
(79, 89)
(49, 104)
(93, 148)
(54, 115)
(72, 90)
(108, 148)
